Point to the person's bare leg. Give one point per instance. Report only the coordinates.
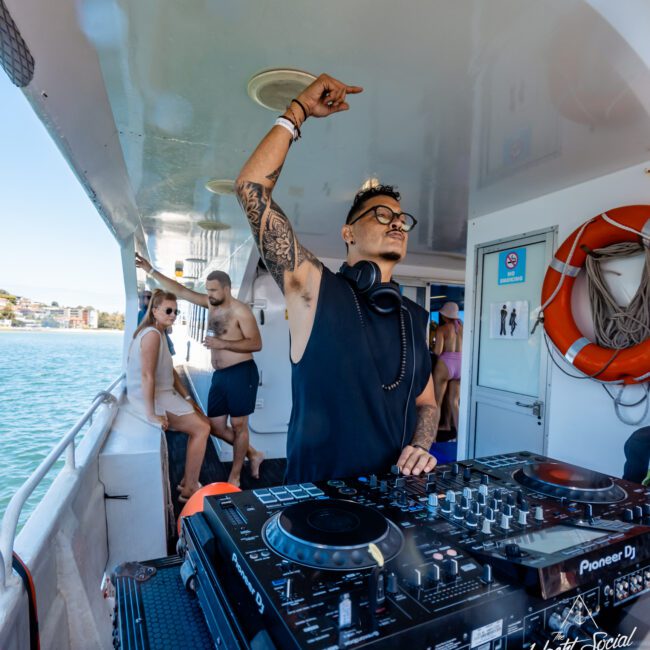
(440, 380)
(454, 401)
(197, 428)
(239, 448)
(219, 427)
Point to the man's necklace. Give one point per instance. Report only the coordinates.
(402, 329)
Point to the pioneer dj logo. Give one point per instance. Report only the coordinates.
(628, 553)
(249, 585)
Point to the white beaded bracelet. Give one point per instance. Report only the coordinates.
(285, 123)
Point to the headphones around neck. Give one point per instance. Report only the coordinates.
(365, 276)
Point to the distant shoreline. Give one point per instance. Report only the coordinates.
(56, 329)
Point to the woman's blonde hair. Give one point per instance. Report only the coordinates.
(158, 296)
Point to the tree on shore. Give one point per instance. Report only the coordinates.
(114, 321)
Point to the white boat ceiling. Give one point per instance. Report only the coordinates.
(469, 107)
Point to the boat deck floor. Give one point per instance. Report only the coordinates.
(213, 470)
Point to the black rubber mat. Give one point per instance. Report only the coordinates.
(159, 614)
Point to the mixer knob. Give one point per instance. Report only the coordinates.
(539, 513)
(483, 489)
(446, 507)
(464, 503)
(494, 504)
(434, 574)
(505, 522)
(430, 486)
(646, 509)
(523, 505)
(508, 510)
(392, 583)
(400, 482)
(467, 474)
(417, 577)
(450, 567)
(486, 528)
(522, 517)
(394, 469)
(451, 496)
(430, 476)
(432, 501)
(489, 514)
(455, 469)
(401, 498)
(638, 512)
(510, 499)
(458, 511)
(383, 486)
(471, 520)
(476, 508)
(467, 492)
(373, 480)
(481, 499)
(486, 576)
(628, 515)
(588, 512)
(485, 479)
(497, 494)
(513, 551)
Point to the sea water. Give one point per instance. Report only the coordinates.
(48, 379)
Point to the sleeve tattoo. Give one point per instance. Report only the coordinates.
(425, 429)
(272, 231)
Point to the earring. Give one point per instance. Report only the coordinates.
(352, 242)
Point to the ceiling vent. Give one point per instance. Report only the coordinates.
(274, 89)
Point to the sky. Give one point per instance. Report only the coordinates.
(53, 243)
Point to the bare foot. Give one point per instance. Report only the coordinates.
(256, 459)
(186, 492)
(233, 480)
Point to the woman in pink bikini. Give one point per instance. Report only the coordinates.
(449, 342)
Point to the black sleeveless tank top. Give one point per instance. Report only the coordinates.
(343, 423)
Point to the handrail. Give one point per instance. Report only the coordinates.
(14, 508)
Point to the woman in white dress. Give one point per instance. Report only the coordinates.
(154, 391)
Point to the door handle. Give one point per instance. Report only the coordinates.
(535, 406)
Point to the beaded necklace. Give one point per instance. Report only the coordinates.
(402, 327)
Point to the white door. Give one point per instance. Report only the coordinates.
(509, 364)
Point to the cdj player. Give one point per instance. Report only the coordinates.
(510, 551)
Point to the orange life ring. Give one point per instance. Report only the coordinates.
(630, 366)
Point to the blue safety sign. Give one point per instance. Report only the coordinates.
(512, 266)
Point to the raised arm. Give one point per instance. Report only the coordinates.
(168, 284)
(293, 267)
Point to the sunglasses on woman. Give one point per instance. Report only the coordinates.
(169, 310)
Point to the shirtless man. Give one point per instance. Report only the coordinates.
(449, 343)
(235, 380)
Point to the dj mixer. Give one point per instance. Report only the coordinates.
(510, 551)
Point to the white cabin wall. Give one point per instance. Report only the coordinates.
(583, 427)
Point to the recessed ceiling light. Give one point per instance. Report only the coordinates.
(274, 89)
(220, 186)
(195, 260)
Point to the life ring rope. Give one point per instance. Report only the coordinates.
(604, 364)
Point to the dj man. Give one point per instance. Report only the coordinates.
(362, 390)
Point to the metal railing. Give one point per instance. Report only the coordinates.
(14, 508)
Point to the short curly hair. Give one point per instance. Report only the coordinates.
(364, 195)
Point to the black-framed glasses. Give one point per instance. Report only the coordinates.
(385, 215)
(169, 310)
